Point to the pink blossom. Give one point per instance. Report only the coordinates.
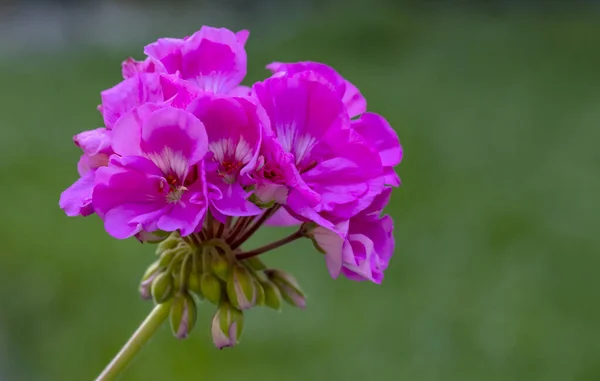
(327, 167)
(95, 144)
(144, 88)
(234, 127)
(355, 103)
(366, 245)
(373, 127)
(214, 59)
(158, 180)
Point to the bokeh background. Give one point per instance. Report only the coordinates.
(497, 105)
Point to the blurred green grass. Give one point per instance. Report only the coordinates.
(494, 277)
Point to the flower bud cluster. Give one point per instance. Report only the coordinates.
(187, 273)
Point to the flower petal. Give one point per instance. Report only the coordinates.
(215, 59)
(76, 200)
(174, 139)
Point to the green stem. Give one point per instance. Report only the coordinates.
(135, 343)
(253, 228)
(273, 245)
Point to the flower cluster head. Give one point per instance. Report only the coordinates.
(192, 160)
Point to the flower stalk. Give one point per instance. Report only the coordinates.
(139, 338)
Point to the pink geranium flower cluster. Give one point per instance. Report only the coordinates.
(187, 150)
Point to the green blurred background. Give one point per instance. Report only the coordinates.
(497, 224)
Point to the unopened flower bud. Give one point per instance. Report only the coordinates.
(169, 243)
(210, 287)
(227, 326)
(220, 266)
(241, 288)
(162, 288)
(193, 283)
(272, 295)
(167, 256)
(146, 282)
(288, 286)
(183, 315)
(151, 237)
(260, 293)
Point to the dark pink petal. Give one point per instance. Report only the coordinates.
(215, 59)
(377, 132)
(167, 51)
(76, 200)
(128, 94)
(355, 103)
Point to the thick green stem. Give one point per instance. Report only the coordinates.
(135, 343)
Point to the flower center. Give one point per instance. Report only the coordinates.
(229, 170)
(176, 188)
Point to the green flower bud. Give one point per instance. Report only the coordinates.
(193, 284)
(183, 315)
(260, 293)
(272, 295)
(167, 256)
(241, 288)
(220, 266)
(146, 282)
(162, 288)
(211, 287)
(288, 286)
(227, 326)
(169, 243)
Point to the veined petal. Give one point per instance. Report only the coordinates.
(302, 109)
(234, 127)
(355, 103)
(215, 59)
(174, 140)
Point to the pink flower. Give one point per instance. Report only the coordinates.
(234, 127)
(158, 180)
(367, 246)
(328, 168)
(355, 103)
(95, 144)
(373, 127)
(144, 88)
(214, 59)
